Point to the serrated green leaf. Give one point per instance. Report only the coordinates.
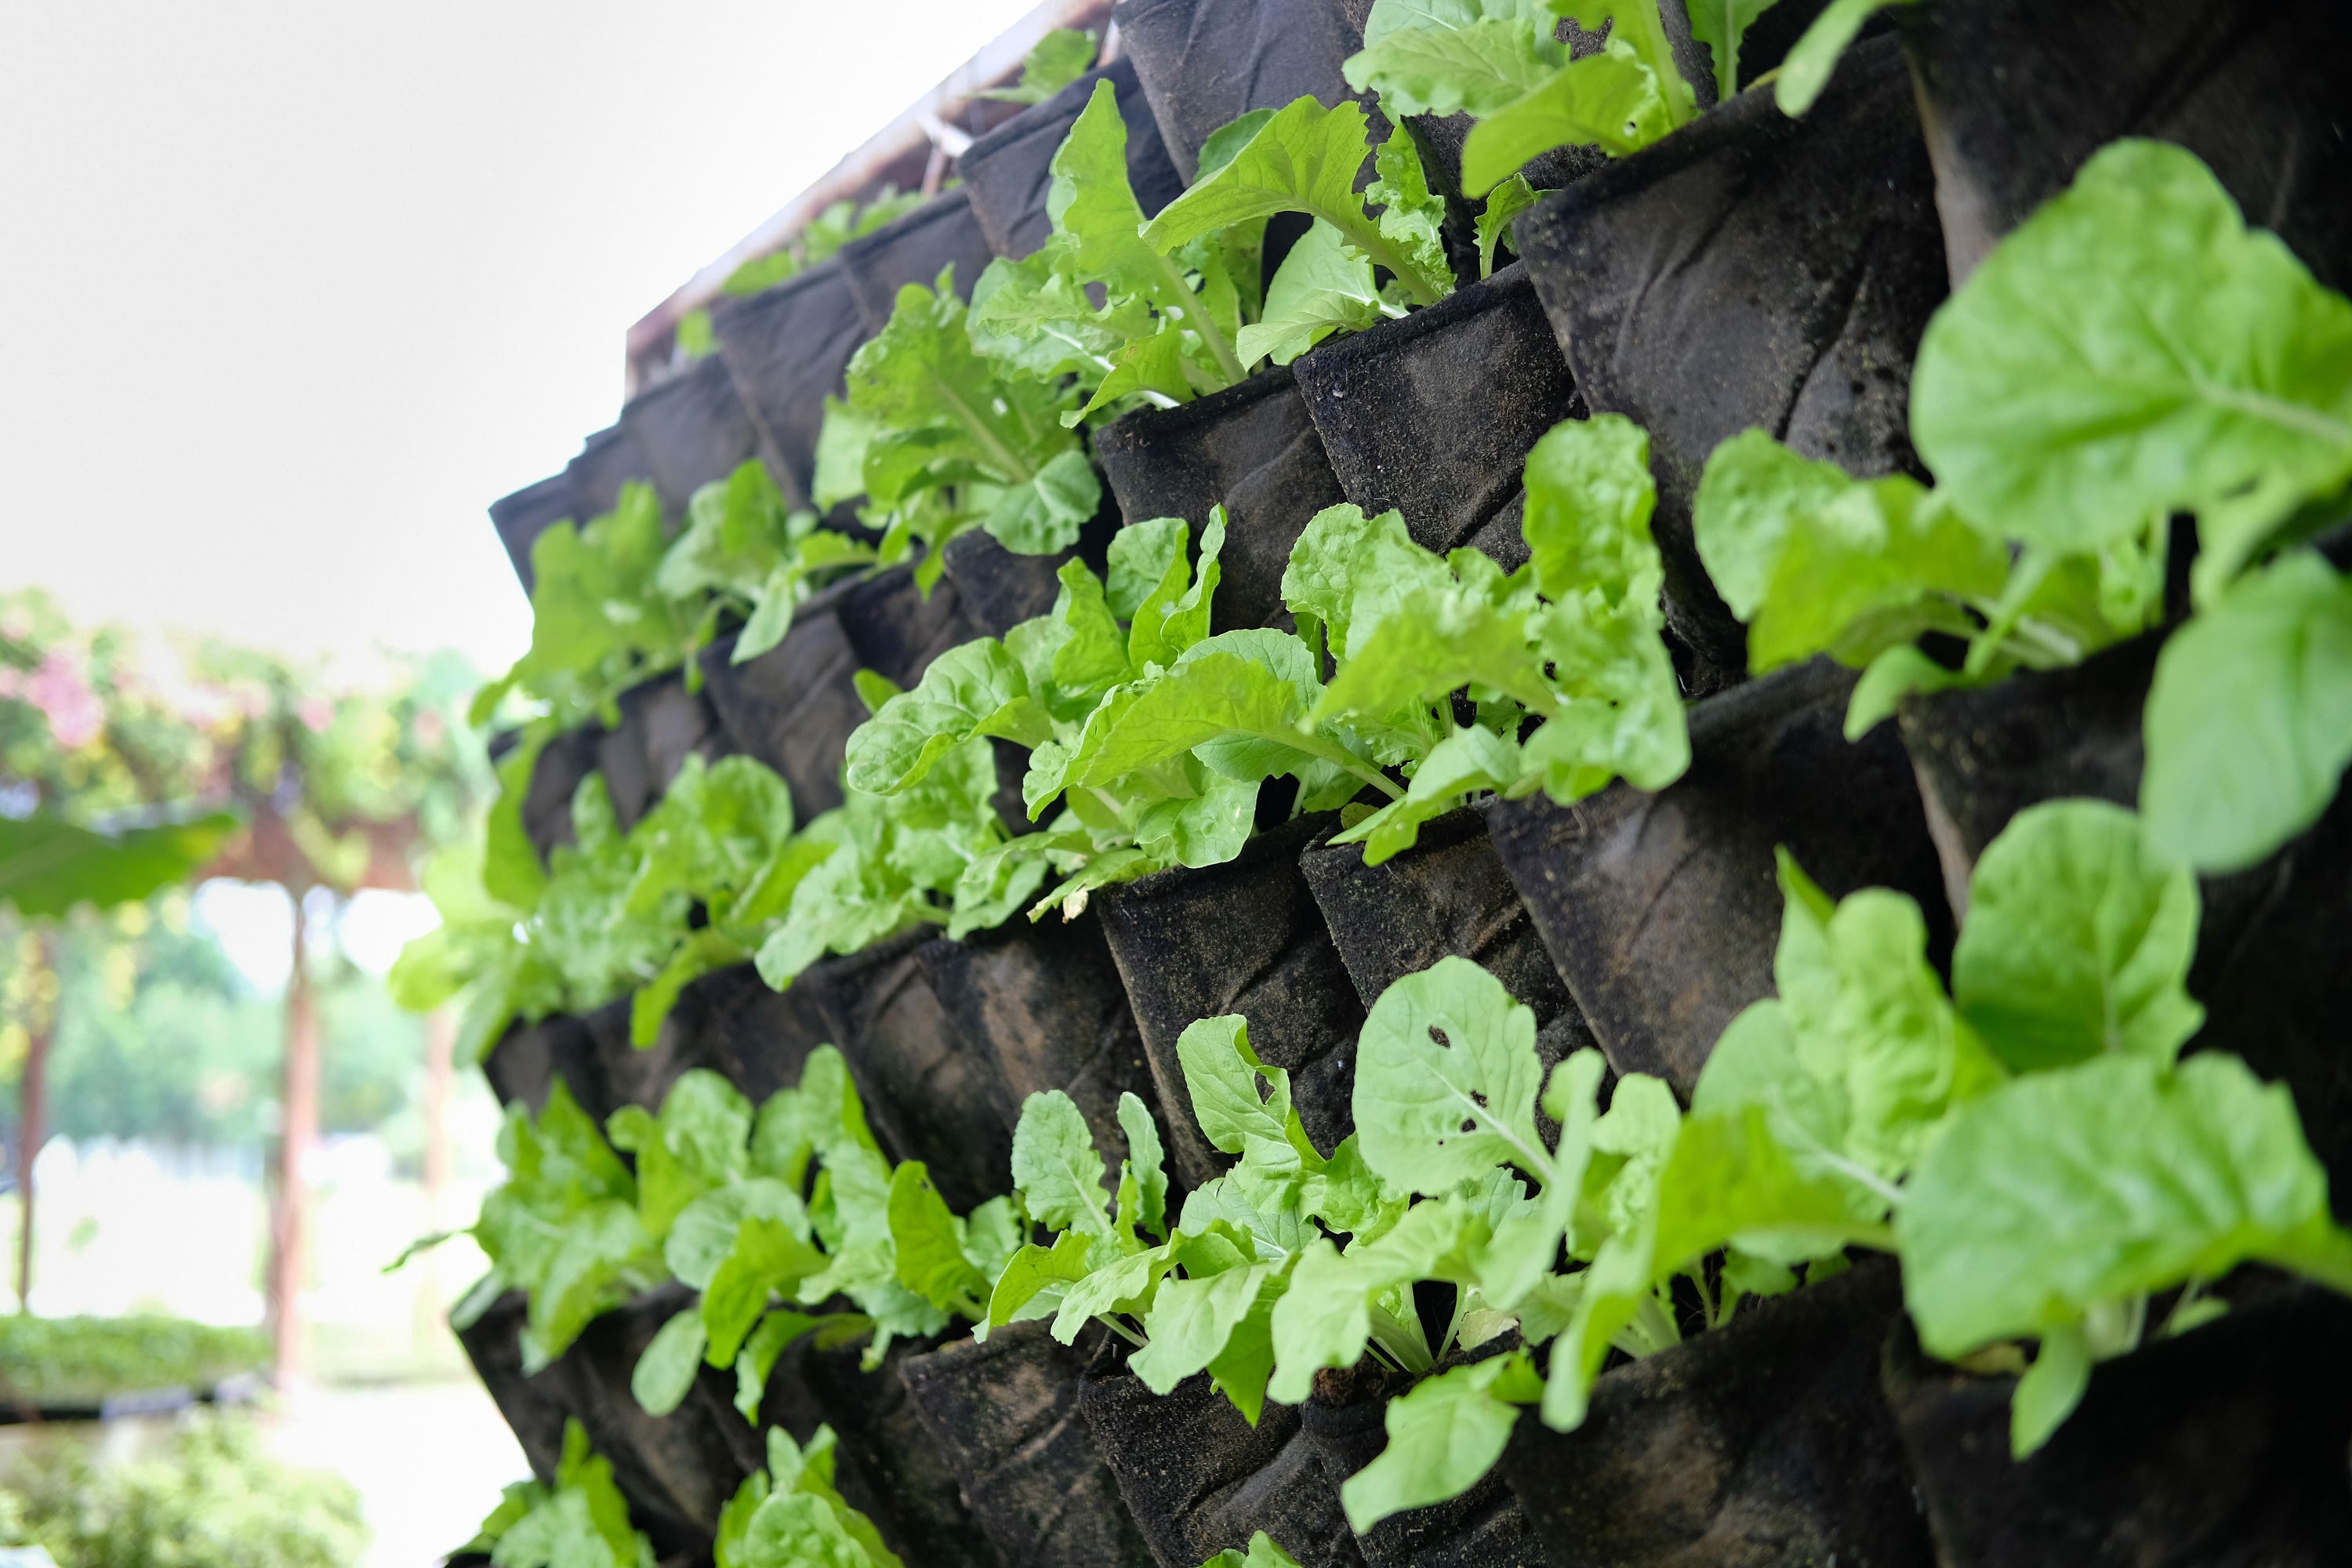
(1323, 286)
(1610, 99)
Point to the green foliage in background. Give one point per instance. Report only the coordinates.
(83, 1362)
(214, 1499)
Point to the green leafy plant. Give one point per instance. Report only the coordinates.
(48, 865)
(790, 1515)
(2130, 352)
(1264, 1553)
(1501, 62)
(54, 1362)
(1056, 60)
(581, 1521)
(749, 555)
(938, 439)
(821, 240)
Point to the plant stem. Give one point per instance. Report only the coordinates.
(1198, 318)
(981, 431)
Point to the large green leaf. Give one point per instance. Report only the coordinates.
(1446, 1078)
(48, 865)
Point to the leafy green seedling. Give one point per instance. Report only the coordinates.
(791, 1515)
(581, 1521)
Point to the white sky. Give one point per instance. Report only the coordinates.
(296, 288)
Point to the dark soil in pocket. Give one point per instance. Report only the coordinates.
(2221, 1449)
(1750, 270)
(676, 1470)
(662, 723)
(1433, 414)
(534, 1406)
(1252, 448)
(607, 460)
(555, 777)
(2016, 97)
(1009, 170)
(1449, 894)
(693, 430)
(1199, 1479)
(521, 517)
(942, 232)
(1005, 1414)
(1045, 1003)
(1482, 1528)
(787, 348)
(793, 706)
(1206, 63)
(894, 628)
(529, 1057)
(929, 1096)
(1663, 910)
(894, 1471)
(1764, 1441)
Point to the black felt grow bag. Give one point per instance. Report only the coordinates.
(1005, 1414)
(555, 777)
(606, 460)
(529, 1057)
(1008, 170)
(897, 629)
(1482, 1528)
(786, 348)
(1206, 63)
(1663, 910)
(521, 517)
(942, 232)
(1252, 448)
(1044, 1003)
(927, 1096)
(731, 1022)
(662, 723)
(1434, 414)
(1764, 1441)
(793, 706)
(2016, 96)
(1750, 270)
(535, 1406)
(1199, 1479)
(895, 1470)
(2225, 1445)
(1448, 895)
(1245, 937)
(2270, 963)
(692, 429)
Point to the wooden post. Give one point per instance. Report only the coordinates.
(32, 1122)
(289, 1261)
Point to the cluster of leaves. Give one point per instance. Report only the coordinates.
(581, 1521)
(2130, 353)
(86, 1361)
(1263, 1552)
(1155, 737)
(212, 1498)
(697, 884)
(617, 600)
(790, 1515)
(1503, 63)
(1057, 59)
(827, 233)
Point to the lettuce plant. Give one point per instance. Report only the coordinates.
(938, 439)
(581, 1521)
(1501, 62)
(2130, 352)
(1053, 63)
(1263, 1552)
(790, 1515)
(746, 553)
(827, 233)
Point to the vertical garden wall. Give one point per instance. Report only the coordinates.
(1460, 787)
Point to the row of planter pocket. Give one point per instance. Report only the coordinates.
(781, 352)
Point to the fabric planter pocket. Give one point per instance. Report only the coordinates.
(662, 723)
(2225, 1445)
(787, 349)
(996, 589)
(1251, 449)
(1005, 1414)
(528, 1057)
(927, 1096)
(692, 429)
(1199, 1479)
(1045, 1003)
(2016, 96)
(1008, 170)
(731, 1022)
(893, 1471)
(606, 460)
(1751, 269)
(1765, 1440)
(533, 1405)
(523, 517)
(1434, 414)
(1482, 1528)
(942, 232)
(1245, 937)
(1663, 910)
(1203, 64)
(792, 707)
(894, 627)
(555, 775)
